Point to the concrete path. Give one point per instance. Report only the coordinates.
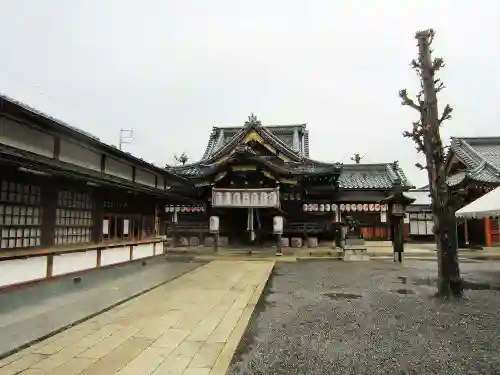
(33, 313)
(190, 326)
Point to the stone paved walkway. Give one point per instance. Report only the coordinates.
(189, 326)
(27, 315)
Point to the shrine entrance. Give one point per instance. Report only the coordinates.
(246, 215)
(236, 225)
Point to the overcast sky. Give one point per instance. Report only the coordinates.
(172, 69)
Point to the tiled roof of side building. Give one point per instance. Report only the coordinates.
(480, 156)
(53, 122)
(371, 176)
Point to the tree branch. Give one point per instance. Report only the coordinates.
(437, 64)
(439, 85)
(405, 100)
(416, 135)
(420, 166)
(446, 114)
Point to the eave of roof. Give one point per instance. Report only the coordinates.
(478, 168)
(63, 127)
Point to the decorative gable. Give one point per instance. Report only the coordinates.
(250, 134)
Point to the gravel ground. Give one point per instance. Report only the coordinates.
(326, 317)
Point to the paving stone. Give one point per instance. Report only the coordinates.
(119, 357)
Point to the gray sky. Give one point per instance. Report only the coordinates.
(173, 69)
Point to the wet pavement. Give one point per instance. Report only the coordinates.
(326, 317)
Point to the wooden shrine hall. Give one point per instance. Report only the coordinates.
(250, 174)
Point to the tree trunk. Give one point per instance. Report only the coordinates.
(449, 281)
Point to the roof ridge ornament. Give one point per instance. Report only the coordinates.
(252, 121)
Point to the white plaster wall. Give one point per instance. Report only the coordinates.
(75, 154)
(23, 137)
(144, 177)
(143, 251)
(17, 271)
(73, 262)
(158, 248)
(115, 255)
(118, 168)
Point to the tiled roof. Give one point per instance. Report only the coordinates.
(292, 140)
(54, 123)
(480, 156)
(293, 137)
(306, 166)
(352, 176)
(371, 176)
(422, 197)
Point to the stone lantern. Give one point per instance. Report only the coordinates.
(397, 203)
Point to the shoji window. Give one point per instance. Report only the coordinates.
(20, 215)
(74, 218)
(421, 223)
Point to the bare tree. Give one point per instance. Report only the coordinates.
(357, 158)
(181, 159)
(426, 135)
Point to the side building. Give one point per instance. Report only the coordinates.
(69, 202)
(419, 220)
(249, 174)
(473, 169)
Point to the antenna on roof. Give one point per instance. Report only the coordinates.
(126, 135)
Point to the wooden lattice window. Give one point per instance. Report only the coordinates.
(74, 218)
(20, 215)
(421, 223)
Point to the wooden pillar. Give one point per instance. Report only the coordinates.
(398, 240)
(487, 231)
(49, 205)
(216, 242)
(98, 214)
(466, 231)
(279, 244)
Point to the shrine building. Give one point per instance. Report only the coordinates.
(252, 173)
(70, 203)
(473, 169)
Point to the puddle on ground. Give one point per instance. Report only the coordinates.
(341, 296)
(404, 291)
